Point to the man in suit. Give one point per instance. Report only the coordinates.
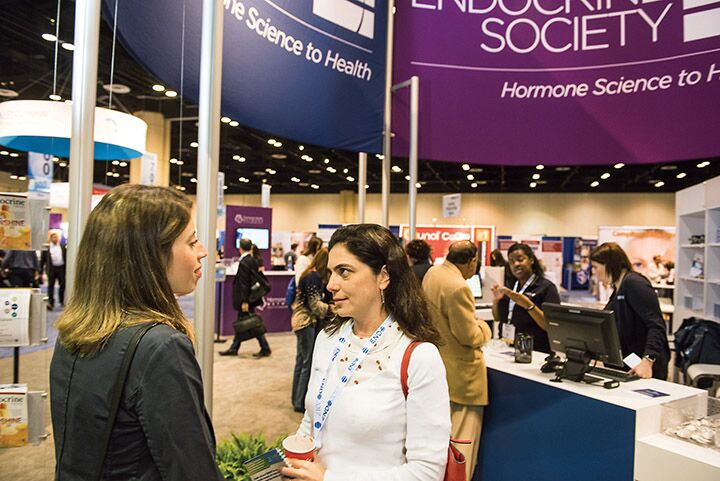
(244, 279)
(53, 263)
(452, 310)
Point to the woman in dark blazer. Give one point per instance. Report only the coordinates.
(637, 311)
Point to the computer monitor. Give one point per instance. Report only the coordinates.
(259, 237)
(475, 284)
(584, 335)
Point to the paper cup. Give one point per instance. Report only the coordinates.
(299, 447)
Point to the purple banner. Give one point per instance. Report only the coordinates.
(524, 82)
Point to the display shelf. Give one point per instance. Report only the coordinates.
(693, 246)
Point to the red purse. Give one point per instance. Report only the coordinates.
(455, 469)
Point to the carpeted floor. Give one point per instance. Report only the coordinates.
(249, 396)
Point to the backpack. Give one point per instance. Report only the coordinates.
(291, 292)
(455, 469)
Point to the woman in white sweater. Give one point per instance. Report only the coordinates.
(364, 427)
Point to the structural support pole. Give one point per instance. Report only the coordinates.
(208, 162)
(82, 147)
(387, 130)
(414, 102)
(362, 180)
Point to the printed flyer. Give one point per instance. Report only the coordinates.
(14, 317)
(14, 223)
(13, 415)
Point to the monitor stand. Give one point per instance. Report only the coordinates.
(576, 366)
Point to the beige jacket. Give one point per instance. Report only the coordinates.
(452, 310)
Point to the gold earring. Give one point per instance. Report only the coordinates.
(382, 296)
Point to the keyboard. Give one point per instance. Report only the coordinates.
(614, 374)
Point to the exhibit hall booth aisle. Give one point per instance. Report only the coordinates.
(541, 430)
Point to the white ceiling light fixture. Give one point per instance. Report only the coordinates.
(8, 93)
(158, 88)
(407, 177)
(536, 176)
(115, 162)
(533, 185)
(54, 97)
(301, 147)
(63, 164)
(234, 123)
(173, 161)
(49, 37)
(314, 186)
(681, 175)
(605, 175)
(659, 184)
(473, 185)
(116, 88)
(14, 177)
(350, 178)
(396, 169)
(466, 167)
(703, 164)
(418, 185)
(123, 164)
(619, 165)
(14, 154)
(225, 120)
(194, 145)
(180, 162)
(171, 93)
(295, 179)
(539, 167)
(594, 183)
(470, 177)
(68, 46)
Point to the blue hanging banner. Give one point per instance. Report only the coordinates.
(312, 71)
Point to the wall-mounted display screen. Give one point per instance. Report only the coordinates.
(259, 237)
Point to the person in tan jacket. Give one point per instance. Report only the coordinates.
(452, 310)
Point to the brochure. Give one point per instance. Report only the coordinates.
(13, 415)
(266, 466)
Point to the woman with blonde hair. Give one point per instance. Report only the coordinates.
(138, 251)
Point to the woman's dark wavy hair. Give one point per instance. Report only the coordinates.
(537, 268)
(376, 247)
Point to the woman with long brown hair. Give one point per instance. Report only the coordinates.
(138, 251)
(311, 306)
(364, 427)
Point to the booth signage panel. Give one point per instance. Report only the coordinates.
(15, 230)
(440, 237)
(14, 317)
(312, 71)
(560, 82)
(40, 175)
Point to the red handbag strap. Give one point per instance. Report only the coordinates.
(405, 364)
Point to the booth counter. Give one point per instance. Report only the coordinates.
(541, 430)
(275, 312)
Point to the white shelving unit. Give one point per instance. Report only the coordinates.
(697, 211)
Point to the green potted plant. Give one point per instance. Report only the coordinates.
(231, 453)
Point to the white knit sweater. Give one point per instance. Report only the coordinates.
(372, 433)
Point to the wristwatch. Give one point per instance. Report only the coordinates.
(650, 358)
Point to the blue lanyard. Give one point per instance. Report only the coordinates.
(321, 413)
(521, 291)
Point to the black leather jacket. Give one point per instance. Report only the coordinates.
(162, 431)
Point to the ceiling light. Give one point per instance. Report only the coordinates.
(539, 167)
(8, 93)
(271, 141)
(418, 185)
(536, 176)
(332, 170)
(327, 161)
(619, 165)
(14, 154)
(171, 93)
(278, 144)
(116, 88)
(194, 144)
(193, 180)
(465, 167)
(234, 123)
(407, 177)
(473, 185)
(180, 162)
(345, 171)
(225, 120)
(63, 164)
(123, 164)
(533, 185)
(68, 46)
(158, 88)
(681, 175)
(55, 97)
(279, 156)
(562, 168)
(396, 169)
(703, 164)
(470, 177)
(115, 162)
(264, 181)
(173, 161)
(224, 187)
(380, 156)
(594, 183)
(55, 159)
(236, 157)
(4, 152)
(659, 184)
(668, 167)
(350, 178)
(115, 174)
(367, 186)
(294, 179)
(271, 171)
(49, 37)
(22, 177)
(14, 177)
(314, 171)
(301, 147)
(304, 184)
(606, 175)
(315, 186)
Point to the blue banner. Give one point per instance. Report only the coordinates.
(312, 71)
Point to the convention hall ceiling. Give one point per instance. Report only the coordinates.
(27, 67)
